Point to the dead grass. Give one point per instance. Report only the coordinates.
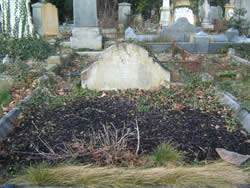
(218, 174)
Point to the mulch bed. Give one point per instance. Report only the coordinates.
(194, 132)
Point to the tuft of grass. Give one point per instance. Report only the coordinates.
(5, 97)
(215, 175)
(165, 154)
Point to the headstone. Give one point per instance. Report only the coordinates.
(165, 13)
(130, 33)
(216, 13)
(185, 12)
(179, 31)
(201, 40)
(125, 66)
(124, 12)
(45, 18)
(86, 33)
(206, 24)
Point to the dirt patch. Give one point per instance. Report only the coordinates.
(194, 132)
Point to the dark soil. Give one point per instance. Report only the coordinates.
(194, 132)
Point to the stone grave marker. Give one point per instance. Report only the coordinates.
(124, 12)
(45, 17)
(86, 33)
(125, 66)
(165, 13)
(179, 31)
(206, 20)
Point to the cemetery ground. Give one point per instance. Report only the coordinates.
(132, 137)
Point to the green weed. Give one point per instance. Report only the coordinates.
(165, 154)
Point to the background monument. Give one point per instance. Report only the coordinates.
(86, 33)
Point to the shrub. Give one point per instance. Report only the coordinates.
(5, 97)
(25, 48)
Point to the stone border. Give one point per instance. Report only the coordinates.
(7, 121)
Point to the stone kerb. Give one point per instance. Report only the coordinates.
(124, 66)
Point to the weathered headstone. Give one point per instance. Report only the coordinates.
(206, 20)
(125, 66)
(124, 12)
(45, 18)
(165, 13)
(179, 31)
(86, 33)
(130, 33)
(216, 13)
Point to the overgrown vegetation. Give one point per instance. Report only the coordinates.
(5, 98)
(25, 48)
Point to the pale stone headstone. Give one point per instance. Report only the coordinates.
(124, 12)
(165, 13)
(85, 13)
(86, 33)
(216, 13)
(179, 31)
(206, 22)
(125, 66)
(45, 17)
(130, 33)
(185, 12)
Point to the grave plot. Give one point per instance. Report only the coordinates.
(66, 122)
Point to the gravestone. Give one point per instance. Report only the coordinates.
(165, 13)
(125, 66)
(124, 12)
(179, 31)
(45, 18)
(86, 33)
(130, 33)
(216, 13)
(244, 4)
(206, 24)
(185, 12)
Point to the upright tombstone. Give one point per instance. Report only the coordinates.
(124, 12)
(206, 24)
(165, 14)
(45, 18)
(86, 33)
(243, 4)
(125, 66)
